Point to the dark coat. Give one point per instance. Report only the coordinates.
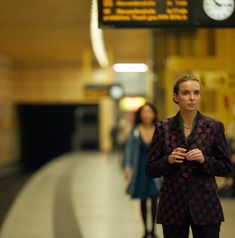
(189, 186)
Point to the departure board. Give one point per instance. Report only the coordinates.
(163, 13)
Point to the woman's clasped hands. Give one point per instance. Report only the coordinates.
(179, 154)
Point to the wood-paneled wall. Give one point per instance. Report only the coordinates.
(44, 84)
(8, 132)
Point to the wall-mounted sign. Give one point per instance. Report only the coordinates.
(166, 13)
(96, 90)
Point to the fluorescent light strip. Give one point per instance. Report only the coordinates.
(97, 37)
(130, 67)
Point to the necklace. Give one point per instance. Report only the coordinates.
(185, 127)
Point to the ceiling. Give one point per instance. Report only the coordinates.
(58, 30)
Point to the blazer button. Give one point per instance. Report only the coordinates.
(185, 175)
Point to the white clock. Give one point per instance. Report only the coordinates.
(218, 10)
(116, 91)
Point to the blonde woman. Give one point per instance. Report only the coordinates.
(189, 150)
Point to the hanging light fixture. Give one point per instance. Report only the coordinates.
(97, 39)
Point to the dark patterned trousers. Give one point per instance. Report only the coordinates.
(182, 231)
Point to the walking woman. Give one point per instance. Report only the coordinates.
(135, 159)
(189, 150)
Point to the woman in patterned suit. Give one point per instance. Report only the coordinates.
(189, 150)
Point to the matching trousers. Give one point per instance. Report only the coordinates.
(182, 231)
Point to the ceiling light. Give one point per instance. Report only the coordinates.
(97, 37)
(130, 67)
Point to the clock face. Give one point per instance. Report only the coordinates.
(218, 10)
(116, 91)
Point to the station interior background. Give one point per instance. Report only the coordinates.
(55, 94)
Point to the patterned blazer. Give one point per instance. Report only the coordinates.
(189, 186)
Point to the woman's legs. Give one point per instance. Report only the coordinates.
(144, 210)
(153, 213)
(206, 231)
(174, 231)
(199, 231)
(143, 206)
(178, 231)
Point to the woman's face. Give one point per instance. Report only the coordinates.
(147, 115)
(188, 96)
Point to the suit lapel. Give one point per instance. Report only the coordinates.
(177, 134)
(198, 129)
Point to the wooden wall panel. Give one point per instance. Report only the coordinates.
(47, 85)
(8, 137)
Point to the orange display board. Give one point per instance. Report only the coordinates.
(166, 13)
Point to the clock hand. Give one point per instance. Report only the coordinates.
(220, 4)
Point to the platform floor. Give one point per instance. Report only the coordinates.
(82, 195)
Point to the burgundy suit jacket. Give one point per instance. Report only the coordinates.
(189, 186)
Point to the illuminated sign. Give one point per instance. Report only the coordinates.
(163, 13)
(96, 91)
(131, 103)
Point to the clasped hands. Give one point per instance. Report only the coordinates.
(179, 154)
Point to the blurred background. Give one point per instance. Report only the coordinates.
(51, 79)
(58, 94)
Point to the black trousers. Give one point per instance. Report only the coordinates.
(182, 231)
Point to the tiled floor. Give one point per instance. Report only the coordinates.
(11, 182)
(82, 195)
